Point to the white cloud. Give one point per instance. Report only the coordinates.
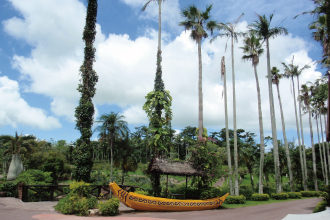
(126, 67)
(15, 110)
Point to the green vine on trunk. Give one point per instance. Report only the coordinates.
(84, 112)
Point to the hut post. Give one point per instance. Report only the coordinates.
(185, 194)
(166, 186)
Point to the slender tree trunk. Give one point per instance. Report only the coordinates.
(261, 128)
(286, 142)
(200, 91)
(302, 138)
(324, 155)
(273, 122)
(234, 116)
(313, 150)
(328, 151)
(299, 142)
(111, 166)
(318, 136)
(227, 132)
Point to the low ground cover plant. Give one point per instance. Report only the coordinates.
(110, 207)
(280, 196)
(259, 197)
(294, 195)
(235, 199)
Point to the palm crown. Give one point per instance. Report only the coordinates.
(252, 48)
(197, 21)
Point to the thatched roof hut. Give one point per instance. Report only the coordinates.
(166, 167)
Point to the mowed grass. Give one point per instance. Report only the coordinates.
(255, 203)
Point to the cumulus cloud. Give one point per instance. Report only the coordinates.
(15, 110)
(126, 67)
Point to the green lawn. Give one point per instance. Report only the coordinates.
(254, 203)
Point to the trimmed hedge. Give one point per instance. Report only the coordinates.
(294, 195)
(320, 206)
(280, 196)
(310, 193)
(235, 199)
(259, 197)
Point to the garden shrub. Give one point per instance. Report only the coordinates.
(269, 190)
(110, 207)
(294, 195)
(78, 201)
(246, 191)
(320, 206)
(309, 193)
(141, 192)
(280, 196)
(235, 199)
(224, 191)
(259, 197)
(210, 192)
(10, 188)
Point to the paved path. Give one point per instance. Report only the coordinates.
(12, 208)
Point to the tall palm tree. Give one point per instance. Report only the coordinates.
(198, 22)
(276, 80)
(17, 145)
(305, 97)
(253, 49)
(223, 75)
(262, 29)
(291, 71)
(113, 125)
(229, 30)
(318, 137)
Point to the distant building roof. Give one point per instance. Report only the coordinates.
(164, 166)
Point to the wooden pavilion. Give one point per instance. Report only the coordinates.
(176, 168)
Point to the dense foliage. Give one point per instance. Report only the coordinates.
(85, 110)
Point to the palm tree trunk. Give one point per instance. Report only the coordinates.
(318, 136)
(159, 25)
(298, 134)
(324, 156)
(234, 116)
(261, 128)
(302, 137)
(286, 142)
(227, 134)
(273, 122)
(328, 151)
(200, 91)
(313, 149)
(111, 166)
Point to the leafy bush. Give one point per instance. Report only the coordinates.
(309, 193)
(210, 192)
(110, 207)
(78, 201)
(320, 206)
(142, 192)
(224, 191)
(269, 190)
(294, 195)
(246, 191)
(235, 199)
(280, 196)
(10, 188)
(259, 197)
(34, 177)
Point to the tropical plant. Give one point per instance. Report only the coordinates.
(262, 29)
(305, 98)
(114, 126)
(229, 30)
(85, 110)
(253, 49)
(198, 22)
(292, 70)
(16, 146)
(223, 75)
(276, 80)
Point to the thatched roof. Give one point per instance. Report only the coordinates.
(166, 167)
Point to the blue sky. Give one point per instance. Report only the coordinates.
(41, 50)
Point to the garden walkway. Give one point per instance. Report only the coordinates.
(12, 208)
